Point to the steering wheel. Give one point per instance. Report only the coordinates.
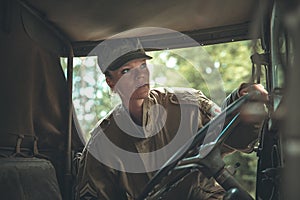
(202, 156)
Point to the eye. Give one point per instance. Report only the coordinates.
(124, 71)
(143, 66)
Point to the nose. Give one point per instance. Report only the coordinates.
(139, 76)
(139, 73)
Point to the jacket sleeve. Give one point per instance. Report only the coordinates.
(245, 135)
(234, 95)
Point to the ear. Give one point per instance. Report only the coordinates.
(110, 83)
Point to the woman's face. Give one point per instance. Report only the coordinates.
(131, 81)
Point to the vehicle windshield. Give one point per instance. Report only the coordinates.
(216, 70)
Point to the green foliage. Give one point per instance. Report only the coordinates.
(216, 70)
(91, 95)
(234, 61)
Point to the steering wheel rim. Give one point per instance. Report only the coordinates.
(230, 113)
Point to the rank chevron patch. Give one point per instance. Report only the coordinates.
(87, 193)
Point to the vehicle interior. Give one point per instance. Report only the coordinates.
(41, 135)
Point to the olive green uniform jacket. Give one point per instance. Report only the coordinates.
(121, 157)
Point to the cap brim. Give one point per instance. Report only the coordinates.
(119, 62)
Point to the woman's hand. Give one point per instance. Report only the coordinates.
(245, 88)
